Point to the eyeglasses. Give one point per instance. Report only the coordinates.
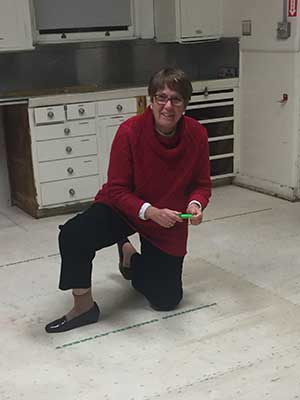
(162, 99)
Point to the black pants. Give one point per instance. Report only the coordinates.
(157, 275)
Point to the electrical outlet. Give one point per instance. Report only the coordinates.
(247, 27)
(227, 72)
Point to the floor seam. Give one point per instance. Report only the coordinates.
(28, 260)
(238, 215)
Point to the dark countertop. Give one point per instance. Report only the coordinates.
(66, 90)
(23, 96)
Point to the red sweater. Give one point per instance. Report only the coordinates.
(142, 169)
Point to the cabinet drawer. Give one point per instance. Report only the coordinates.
(71, 168)
(69, 190)
(49, 115)
(221, 166)
(222, 128)
(220, 147)
(215, 112)
(68, 129)
(120, 106)
(66, 148)
(82, 110)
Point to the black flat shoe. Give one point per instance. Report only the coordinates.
(162, 308)
(125, 271)
(63, 325)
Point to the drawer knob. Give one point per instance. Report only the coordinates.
(119, 107)
(50, 114)
(81, 111)
(205, 93)
(69, 149)
(72, 192)
(67, 131)
(70, 170)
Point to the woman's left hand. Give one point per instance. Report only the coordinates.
(197, 214)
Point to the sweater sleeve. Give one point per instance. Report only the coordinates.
(121, 175)
(201, 186)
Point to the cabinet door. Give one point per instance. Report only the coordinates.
(15, 27)
(108, 129)
(200, 18)
(65, 21)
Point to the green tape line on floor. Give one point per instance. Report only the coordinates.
(126, 328)
(188, 311)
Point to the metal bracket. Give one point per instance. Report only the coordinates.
(284, 27)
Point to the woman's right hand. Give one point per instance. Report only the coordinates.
(163, 216)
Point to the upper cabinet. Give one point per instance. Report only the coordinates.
(15, 25)
(144, 16)
(187, 20)
(59, 21)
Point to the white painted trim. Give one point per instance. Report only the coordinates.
(218, 138)
(264, 186)
(215, 177)
(221, 156)
(211, 121)
(5, 198)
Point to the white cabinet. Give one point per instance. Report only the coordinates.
(64, 153)
(15, 25)
(187, 20)
(217, 109)
(58, 149)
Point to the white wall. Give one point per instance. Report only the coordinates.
(4, 184)
(264, 14)
(269, 143)
(268, 69)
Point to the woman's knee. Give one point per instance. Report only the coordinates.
(69, 233)
(166, 303)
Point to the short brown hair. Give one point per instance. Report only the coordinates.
(175, 79)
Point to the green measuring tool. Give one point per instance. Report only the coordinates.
(185, 216)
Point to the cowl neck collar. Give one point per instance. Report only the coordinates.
(167, 147)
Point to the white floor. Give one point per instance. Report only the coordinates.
(235, 335)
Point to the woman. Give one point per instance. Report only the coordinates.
(159, 168)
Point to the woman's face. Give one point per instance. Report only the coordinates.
(168, 107)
